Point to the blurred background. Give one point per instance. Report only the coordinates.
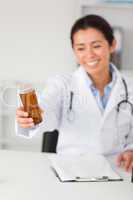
(35, 45)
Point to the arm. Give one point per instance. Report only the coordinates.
(50, 102)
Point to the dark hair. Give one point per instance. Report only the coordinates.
(93, 21)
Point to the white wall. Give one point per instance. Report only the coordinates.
(34, 44)
(34, 38)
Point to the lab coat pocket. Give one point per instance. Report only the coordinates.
(123, 132)
(123, 127)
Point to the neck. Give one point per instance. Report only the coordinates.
(101, 80)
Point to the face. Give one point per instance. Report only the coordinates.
(92, 50)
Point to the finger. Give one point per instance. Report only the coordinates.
(127, 164)
(29, 125)
(24, 120)
(119, 160)
(21, 113)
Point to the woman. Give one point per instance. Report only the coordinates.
(85, 107)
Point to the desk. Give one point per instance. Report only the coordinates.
(28, 176)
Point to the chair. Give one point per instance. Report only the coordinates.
(49, 141)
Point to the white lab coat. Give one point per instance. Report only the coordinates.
(86, 128)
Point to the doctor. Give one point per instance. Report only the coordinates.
(92, 108)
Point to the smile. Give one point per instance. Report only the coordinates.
(92, 63)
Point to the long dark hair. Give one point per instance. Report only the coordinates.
(93, 21)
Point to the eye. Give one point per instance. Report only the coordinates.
(80, 49)
(97, 46)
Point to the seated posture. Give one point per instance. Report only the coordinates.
(91, 108)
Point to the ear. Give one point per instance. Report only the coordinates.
(113, 46)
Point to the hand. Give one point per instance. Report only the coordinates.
(125, 160)
(22, 118)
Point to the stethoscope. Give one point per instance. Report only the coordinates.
(120, 105)
(126, 100)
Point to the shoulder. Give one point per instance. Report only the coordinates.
(124, 74)
(59, 80)
(127, 76)
(59, 83)
(65, 79)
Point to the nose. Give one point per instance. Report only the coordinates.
(89, 53)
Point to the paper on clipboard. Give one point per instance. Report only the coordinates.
(89, 167)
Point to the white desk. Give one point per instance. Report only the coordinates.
(27, 176)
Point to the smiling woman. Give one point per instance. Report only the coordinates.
(98, 123)
(93, 43)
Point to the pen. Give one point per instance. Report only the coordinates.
(132, 176)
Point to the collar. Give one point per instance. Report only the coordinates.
(89, 81)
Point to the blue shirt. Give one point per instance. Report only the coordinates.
(102, 100)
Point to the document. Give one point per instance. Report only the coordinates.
(89, 167)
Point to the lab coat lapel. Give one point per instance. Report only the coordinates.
(116, 96)
(86, 92)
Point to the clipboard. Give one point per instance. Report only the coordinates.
(84, 168)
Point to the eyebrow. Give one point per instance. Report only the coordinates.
(93, 42)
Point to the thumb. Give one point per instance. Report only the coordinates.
(119, 159)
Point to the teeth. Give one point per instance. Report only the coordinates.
(93, 63)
